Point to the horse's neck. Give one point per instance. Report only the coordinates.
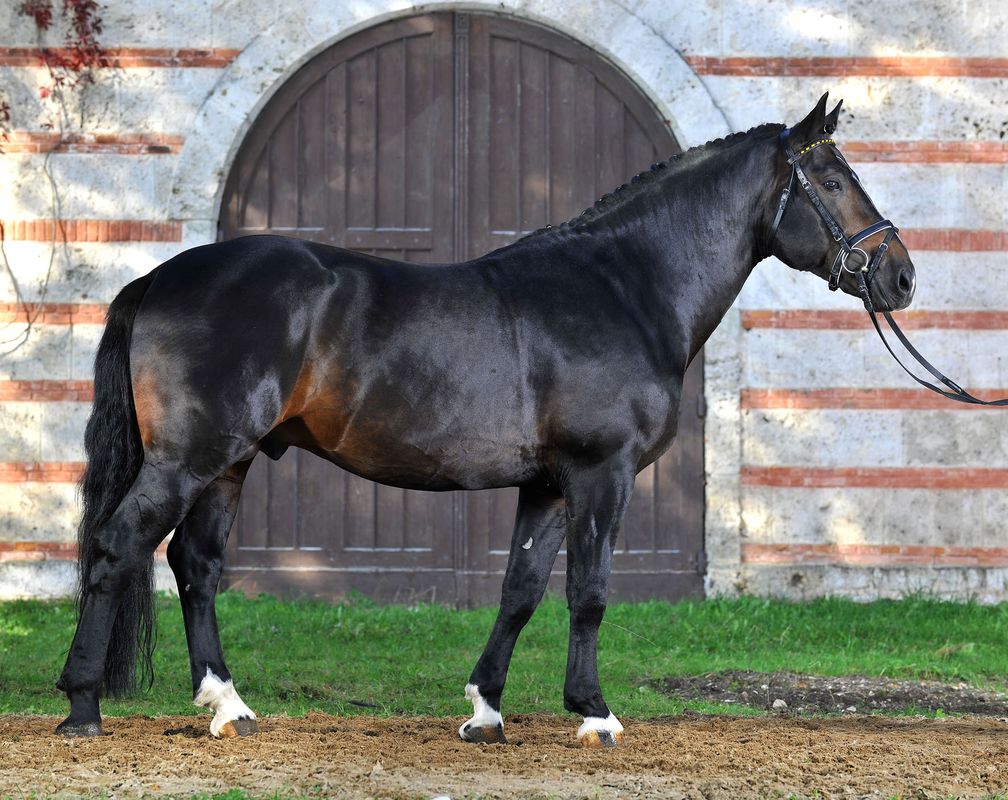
(705, 236)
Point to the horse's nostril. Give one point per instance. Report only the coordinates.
(906, 280)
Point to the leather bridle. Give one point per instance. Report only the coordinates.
(849, 256)
(855, 260)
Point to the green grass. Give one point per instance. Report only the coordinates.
(291, 657)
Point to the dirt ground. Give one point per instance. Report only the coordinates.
(356, 757)
(835, 694)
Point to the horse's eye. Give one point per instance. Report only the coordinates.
(832, 185)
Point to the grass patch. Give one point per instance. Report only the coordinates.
(361, 657)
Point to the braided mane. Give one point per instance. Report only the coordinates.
(671, 165)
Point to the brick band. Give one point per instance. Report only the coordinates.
(41, 472)
(830, 319)
(874, 555)
(850, 66)
(875, 477)
(848, 398)
(927, 152)
(47, 391)
(115, 143)
(48, 551)
(90, 230)
(123, 57)
(54, 313)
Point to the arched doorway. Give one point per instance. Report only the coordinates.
(436, 138)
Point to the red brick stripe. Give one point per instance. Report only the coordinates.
(47, 391)
(875, 477)
(845, 398)
(41, 472)
(91, 230)
(115, 143)
(129, 57)
(874, 554)
(928, 152)
(54, 313)
(47, 551)
(956, 240)
(849, 66)
(822, 319)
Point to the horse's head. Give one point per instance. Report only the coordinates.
(825, 222)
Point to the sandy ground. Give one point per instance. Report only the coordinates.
(356, 757)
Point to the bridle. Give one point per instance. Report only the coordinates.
(849, 256)
(856, 261)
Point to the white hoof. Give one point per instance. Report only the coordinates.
(231, 716)
(599, 732)
(486, 725)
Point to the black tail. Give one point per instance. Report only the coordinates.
(114, 455)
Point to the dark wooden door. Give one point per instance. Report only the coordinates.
(437, 138)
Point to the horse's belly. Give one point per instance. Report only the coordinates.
(429, 448)
(436, 464)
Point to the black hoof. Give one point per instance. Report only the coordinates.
(488, 734)
(238, 727)
(72, 729)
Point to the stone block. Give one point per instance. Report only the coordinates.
(38, 511)
(98, 186)
(36, 353)
(802, 28)
(945, 108)
(20, 431)
(63, 431)
(85, 346)
(822, 438)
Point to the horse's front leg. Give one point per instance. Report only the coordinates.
(538, 534)
(196, 556)
(596, 501)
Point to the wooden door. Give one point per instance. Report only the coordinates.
(437, 138)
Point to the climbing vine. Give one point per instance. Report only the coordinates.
(73, 64)
(67, 68)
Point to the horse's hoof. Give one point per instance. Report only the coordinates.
(483, 734)
(599, 732)
(73, 730)
(237, 727)
(601, 739)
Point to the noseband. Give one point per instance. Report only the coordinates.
(855, 260)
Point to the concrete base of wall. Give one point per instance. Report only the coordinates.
(49, 580)
(979, 584)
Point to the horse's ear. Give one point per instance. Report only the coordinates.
(813, 125)
(831, 119)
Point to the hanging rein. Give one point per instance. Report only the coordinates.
(855, 260)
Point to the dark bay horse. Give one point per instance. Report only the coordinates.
(554, 364)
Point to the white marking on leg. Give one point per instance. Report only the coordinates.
(221, 697)
(610, 724)
(528, 544)
(483, 715)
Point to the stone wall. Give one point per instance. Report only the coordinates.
(827, 471)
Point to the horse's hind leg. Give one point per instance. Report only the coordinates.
(122, 547)
(538, 534)
(196, 556)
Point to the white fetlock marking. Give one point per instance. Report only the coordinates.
(609, 723)
(483, 715)
(528, 544)
(221, 697)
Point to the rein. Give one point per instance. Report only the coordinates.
(856, 261)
